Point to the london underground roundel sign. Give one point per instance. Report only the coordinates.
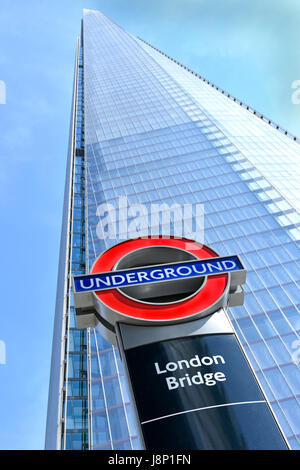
(158, 280)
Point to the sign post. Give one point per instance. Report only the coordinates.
(163, 302)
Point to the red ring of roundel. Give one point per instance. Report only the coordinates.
(207, 296)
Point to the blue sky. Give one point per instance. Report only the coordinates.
(248, 47)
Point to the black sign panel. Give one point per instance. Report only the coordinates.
(199, 392)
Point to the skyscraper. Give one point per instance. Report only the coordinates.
(146, 128)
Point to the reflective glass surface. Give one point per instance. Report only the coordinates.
(156, 133)
(74, 411)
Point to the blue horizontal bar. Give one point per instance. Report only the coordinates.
(157, 273)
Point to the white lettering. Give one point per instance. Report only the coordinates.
(160, 274)
(158, 371)
(172, 383)
(129, 277)
(214, 266)
(220, 377)
(170, 272)
(81, 282)
(187, 268)
(199, 268)
(171, 366)
(209, 380)
(123, 204)
(181, 380)
(187, 378)
(106, 283)
(138, 227)
(142, 275)
(207, 361)
(185, 362)
(195, 361)
(216, 359)
(115, 281)
(197, 379)
(108, 222)
(228, 264)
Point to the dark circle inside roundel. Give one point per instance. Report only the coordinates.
(164, 292)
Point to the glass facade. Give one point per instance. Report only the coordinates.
(74, 433)
(149, 129)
